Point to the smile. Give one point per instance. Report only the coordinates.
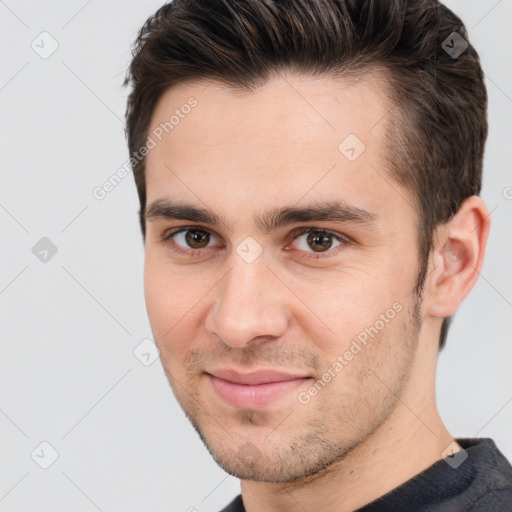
(255, 389)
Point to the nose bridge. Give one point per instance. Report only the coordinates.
(250, 303)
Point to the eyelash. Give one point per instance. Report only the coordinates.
(297, 233)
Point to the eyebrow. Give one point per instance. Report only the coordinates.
(337, 211)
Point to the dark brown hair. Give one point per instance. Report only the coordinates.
(437, 132)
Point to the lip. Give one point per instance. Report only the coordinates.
(255, 389)
(263, 376)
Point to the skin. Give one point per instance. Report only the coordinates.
(240, 154)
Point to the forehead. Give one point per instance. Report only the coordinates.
(293, 137)
(289, 107)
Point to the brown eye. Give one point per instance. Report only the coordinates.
(197, 239)
(319, 240)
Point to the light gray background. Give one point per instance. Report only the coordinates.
(69, 326)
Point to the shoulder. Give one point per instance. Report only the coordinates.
(236, 505)
(497, 500)
(491, 485)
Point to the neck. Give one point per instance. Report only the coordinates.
(411, 440)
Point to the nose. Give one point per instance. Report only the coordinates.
(251, 304)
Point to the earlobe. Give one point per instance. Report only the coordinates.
(457, 257)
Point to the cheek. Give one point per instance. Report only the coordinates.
(176, 301)
(354, 305)
(167, 301)
(157, 286)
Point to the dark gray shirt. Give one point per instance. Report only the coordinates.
(478, 479)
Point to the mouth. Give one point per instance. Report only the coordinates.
(255, 389)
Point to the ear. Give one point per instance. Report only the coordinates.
(457, 258)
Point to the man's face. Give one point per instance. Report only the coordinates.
(325, 301)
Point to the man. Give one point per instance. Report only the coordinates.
(308, 175)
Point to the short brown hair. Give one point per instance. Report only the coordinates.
(439, 127)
